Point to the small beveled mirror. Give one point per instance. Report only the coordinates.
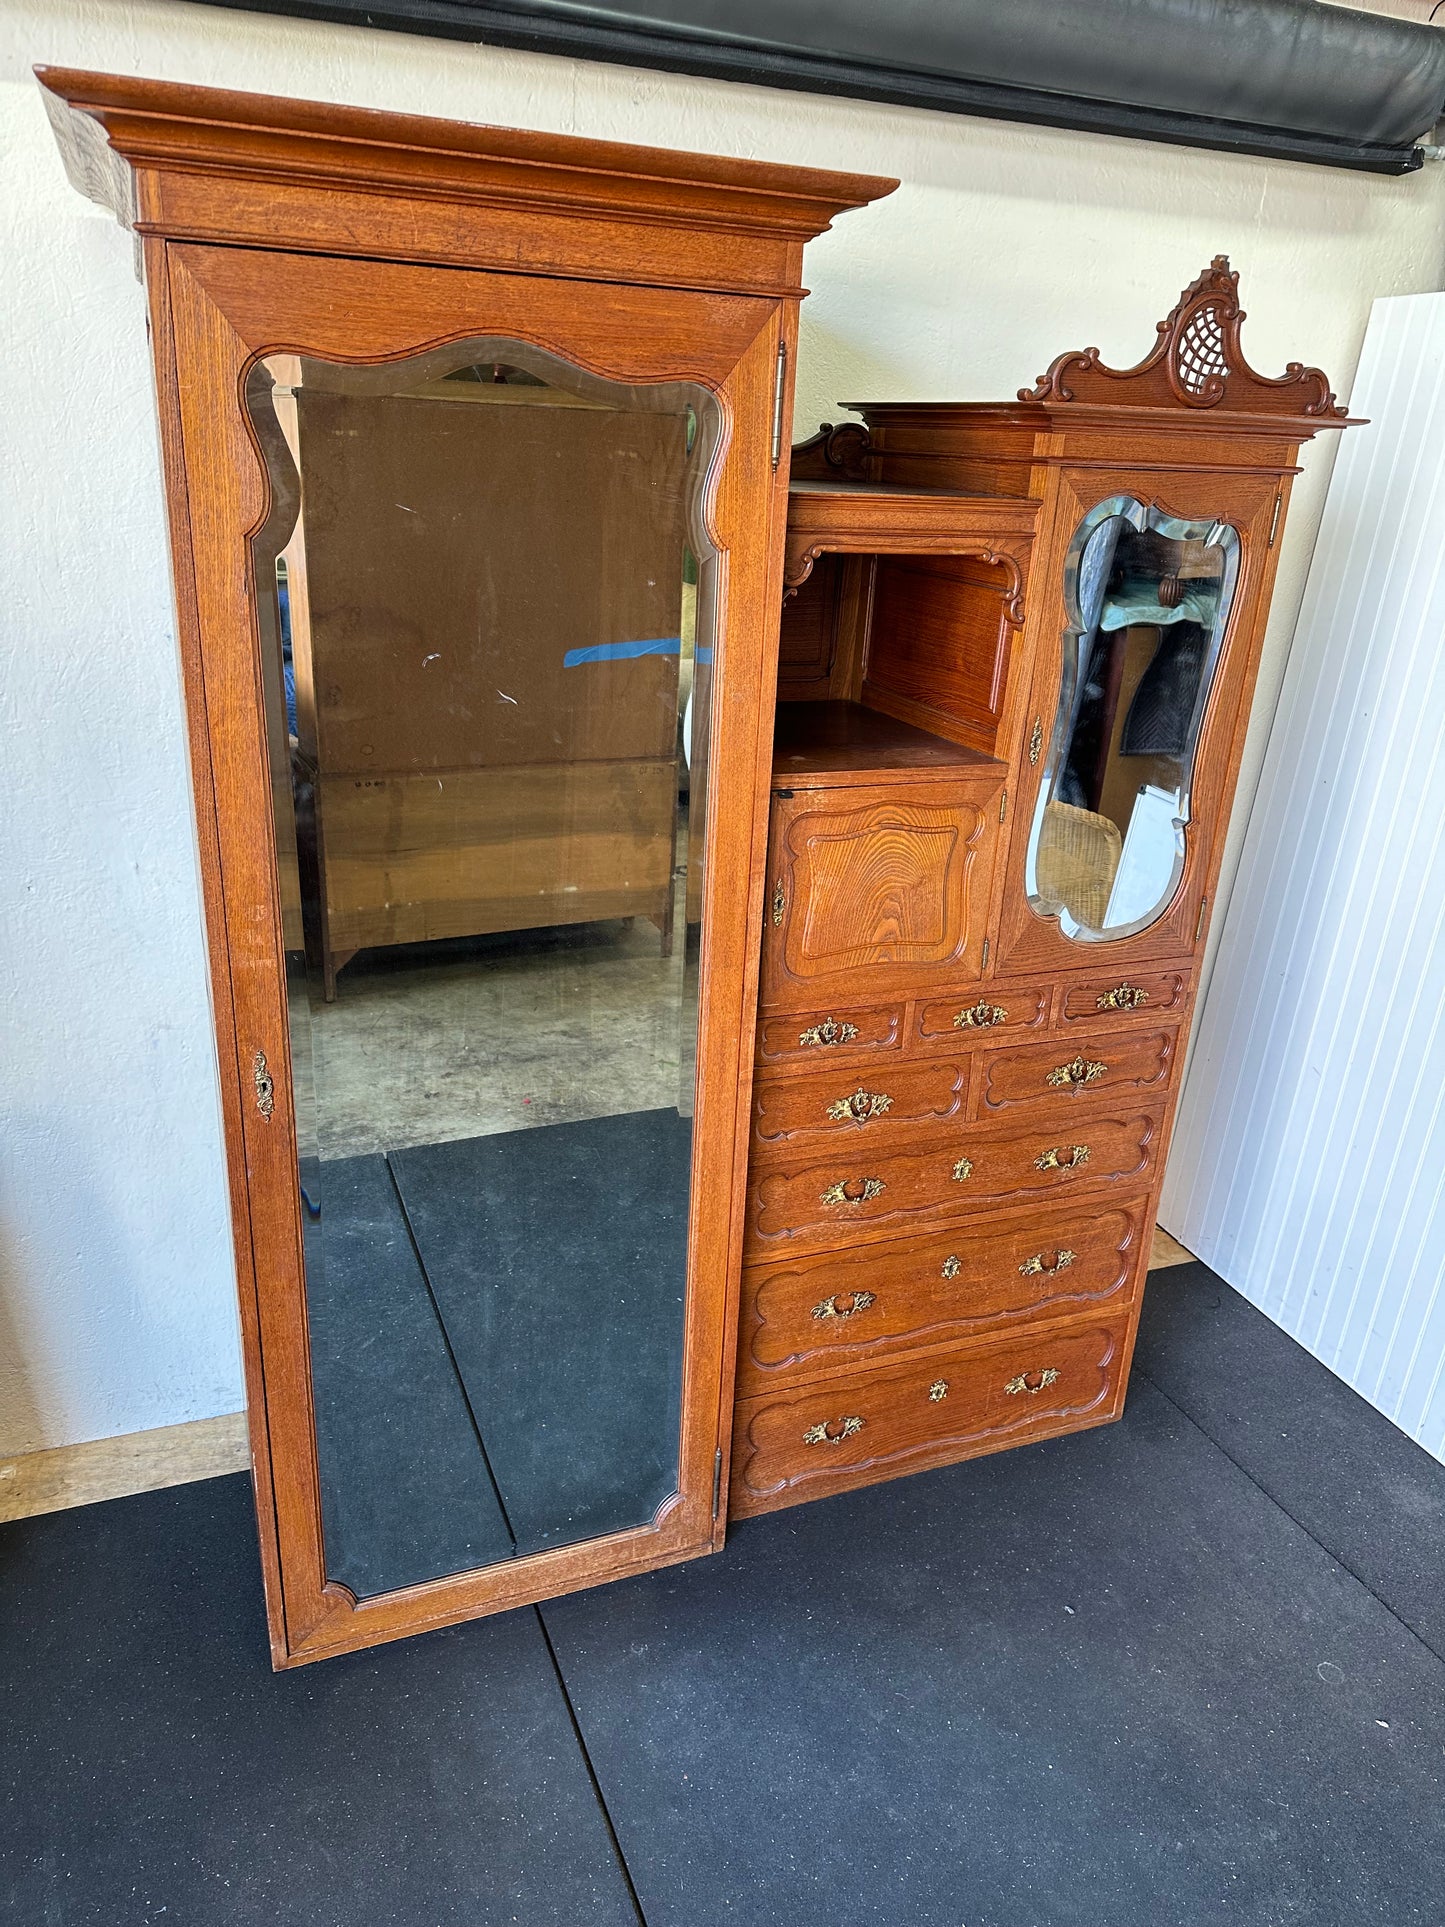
(486, 606)
(1148, 599)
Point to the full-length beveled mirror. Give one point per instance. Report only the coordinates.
(1148, 599)
(486, 602)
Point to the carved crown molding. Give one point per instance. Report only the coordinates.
(1196, 363)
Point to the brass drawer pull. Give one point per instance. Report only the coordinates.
(980, 1016)
(265, 1085)
(780, 902)
(951, 1265)
(844, 1304)
(1036, 1268)
(847, 1428)
(1122, 997)
(860, 1107)
(1048, 1376)
(938, 1391)
(1062, 1157)
(853, 1191)
(830, 1031)
(963, 1170)
(1074, 1075)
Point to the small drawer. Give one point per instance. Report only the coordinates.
(848, 1107)
(868, 1189)
(834, 1036)
(1140, 995)
(973, 1016)
(1058, 1076)
(953, 1403)
(838, 1310)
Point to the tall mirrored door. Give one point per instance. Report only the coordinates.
(486, 604)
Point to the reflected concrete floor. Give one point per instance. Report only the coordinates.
(431, 1042)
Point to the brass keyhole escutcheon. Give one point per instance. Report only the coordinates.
(844, 1304)
(833, 1431)
(951, 1265)
(1062, 1157)
(265, 1085)
(938, 1391)
(860, 1108)
(963, 1170)
(853, 1191)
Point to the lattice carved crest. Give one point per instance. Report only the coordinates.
(1197, 362)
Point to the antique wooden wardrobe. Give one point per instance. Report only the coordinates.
(706, 1116)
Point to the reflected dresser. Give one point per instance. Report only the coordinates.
(1018, 647)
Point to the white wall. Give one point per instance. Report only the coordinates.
(1309, 1161)
(1004, 246)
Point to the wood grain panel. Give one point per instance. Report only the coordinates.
(940, 639)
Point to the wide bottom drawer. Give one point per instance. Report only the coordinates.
(808, 1317)
(951, 1404)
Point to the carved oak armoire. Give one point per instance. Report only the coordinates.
(1017, 655)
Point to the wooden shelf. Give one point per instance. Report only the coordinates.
(824, 744)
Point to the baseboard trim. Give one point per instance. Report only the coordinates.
(70, 1475)
(1168, 1251)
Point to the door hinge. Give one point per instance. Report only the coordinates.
(1199, 920)
(983, 961)
(779, 383)
(1274, 519)
(1003, 806)
(717, 1482)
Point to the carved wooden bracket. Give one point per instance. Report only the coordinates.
(1196, 362)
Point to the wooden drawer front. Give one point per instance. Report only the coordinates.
(837, 1035)
(1137, 995)
(950, 1404)
(829, 1199)
(854, 1107)
(1067, 1074)
(972, 1016)
(839, 1309)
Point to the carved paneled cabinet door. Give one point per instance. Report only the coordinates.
(463, 429)
(883, 886)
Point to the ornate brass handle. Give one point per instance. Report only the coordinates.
(844, 1304)
(825, 1434)
(963, 1170)
(938, 1391)
(853, 1191)
(1122, 997)
(1062, 1157)
(1074, 1075)
(1035, 1267)
(860, 1107)
(265, 1085)
(1048, 1376)
(980, 1016)
(830, 1031)
(780, 902)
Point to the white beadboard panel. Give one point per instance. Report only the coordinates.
(1308, 1163)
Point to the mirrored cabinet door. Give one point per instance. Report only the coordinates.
(1148, 598)
(486, 597)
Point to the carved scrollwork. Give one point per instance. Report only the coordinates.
(1196, 362)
